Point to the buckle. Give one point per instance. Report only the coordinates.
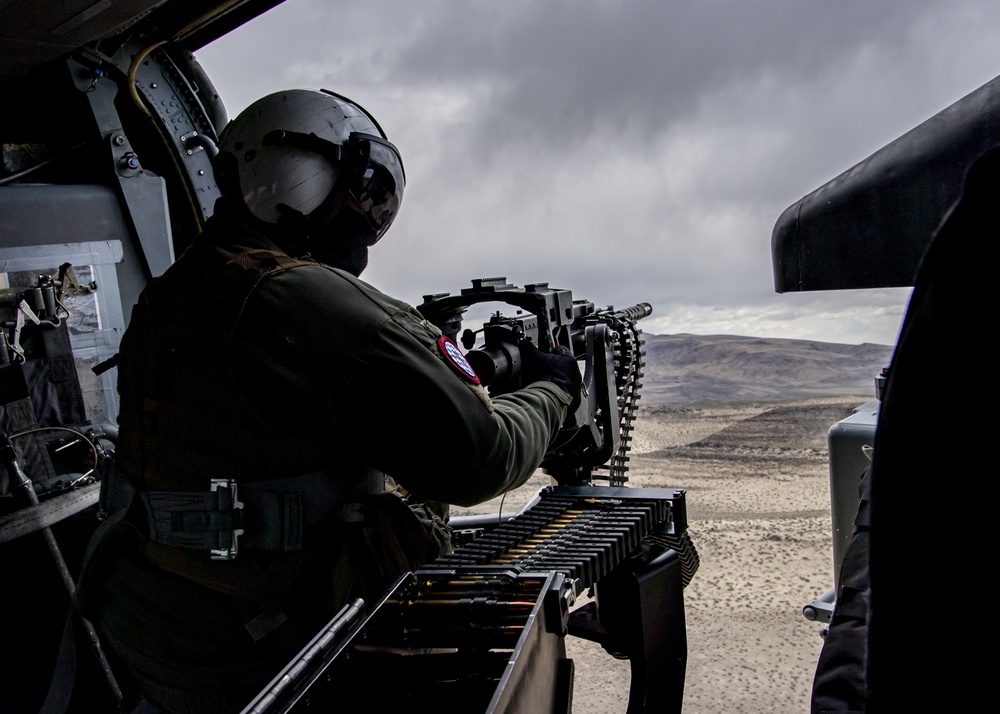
(226, 492)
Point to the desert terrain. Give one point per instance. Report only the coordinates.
(757, 486)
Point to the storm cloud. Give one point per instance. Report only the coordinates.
(629, 151)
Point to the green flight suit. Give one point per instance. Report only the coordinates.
(317, 367)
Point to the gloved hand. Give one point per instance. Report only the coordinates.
(558, 367)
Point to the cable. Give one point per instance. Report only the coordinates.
(26, 432)
(11, 178)
(133, 68)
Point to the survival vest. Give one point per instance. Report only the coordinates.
(184, 420)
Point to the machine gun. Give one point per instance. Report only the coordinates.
(596, 437)
(486, 623)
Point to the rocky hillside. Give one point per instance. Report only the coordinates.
(696, 368)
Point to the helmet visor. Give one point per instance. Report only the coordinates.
(379, 191)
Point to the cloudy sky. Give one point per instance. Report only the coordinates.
(631, 151)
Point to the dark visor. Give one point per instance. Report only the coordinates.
(378, 177)
(379, 190)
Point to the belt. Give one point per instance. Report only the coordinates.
(268, 515)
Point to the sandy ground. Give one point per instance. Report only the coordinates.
(757, 486)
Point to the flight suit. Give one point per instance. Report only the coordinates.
(302, 385)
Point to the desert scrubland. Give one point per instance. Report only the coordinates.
(757, 486)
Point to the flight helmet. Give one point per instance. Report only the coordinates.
(313, 164)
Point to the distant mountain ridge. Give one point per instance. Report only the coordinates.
(683, 369)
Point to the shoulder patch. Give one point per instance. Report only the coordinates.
(454, 357)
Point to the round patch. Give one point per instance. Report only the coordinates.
(457, 360)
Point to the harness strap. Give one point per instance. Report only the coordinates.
(268, 515)
(211, 520)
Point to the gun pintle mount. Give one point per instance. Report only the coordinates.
(596, 438)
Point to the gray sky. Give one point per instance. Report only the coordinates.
(631, 151)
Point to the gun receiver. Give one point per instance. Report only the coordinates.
(596, 436)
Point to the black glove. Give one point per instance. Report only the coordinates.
(558, 367)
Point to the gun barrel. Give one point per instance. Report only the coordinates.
(636, 312)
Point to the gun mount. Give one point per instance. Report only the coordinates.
(596, 437)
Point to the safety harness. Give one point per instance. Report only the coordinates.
(266, 515)
(217, 501)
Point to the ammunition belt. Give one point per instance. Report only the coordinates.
(629, 363)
